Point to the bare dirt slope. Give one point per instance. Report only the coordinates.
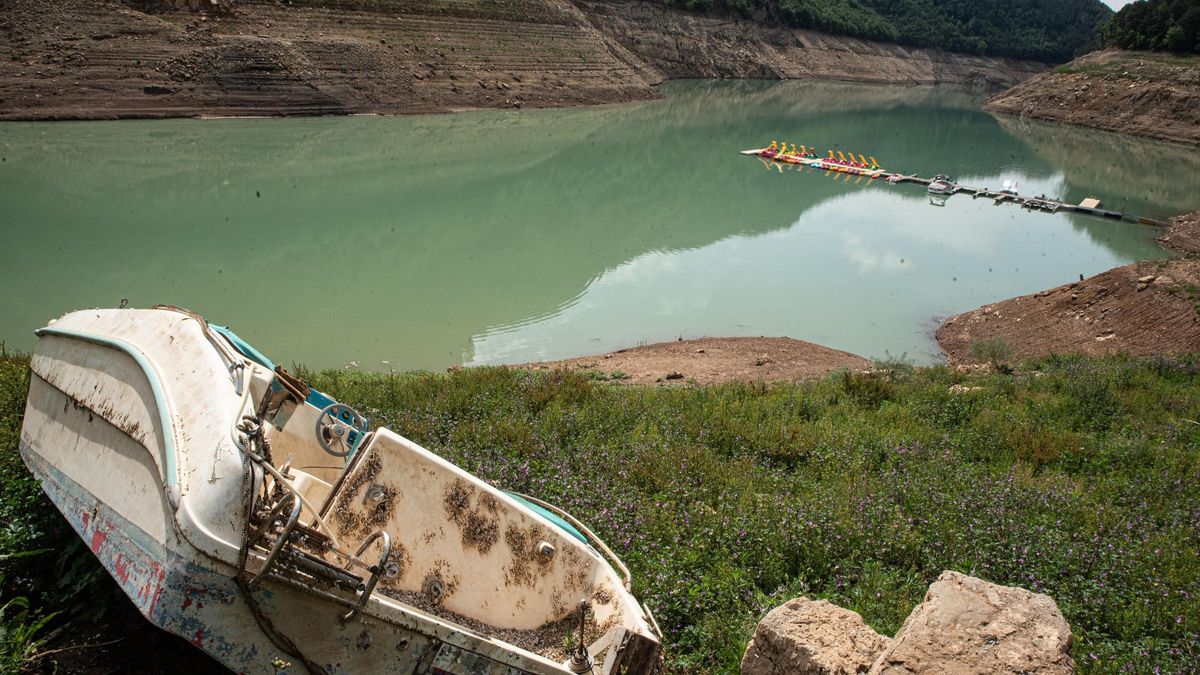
(1143, 93)
(1146, 308)
(73, 59)
(98, 59)
(688, 45)
(1183, 234)
(713, 361)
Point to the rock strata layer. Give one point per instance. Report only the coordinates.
(807, 637)
(100, 59)
(1143, 93)
(689, 45)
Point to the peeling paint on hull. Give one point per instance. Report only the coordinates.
(204, 606)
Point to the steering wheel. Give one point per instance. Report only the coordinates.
(339, 428)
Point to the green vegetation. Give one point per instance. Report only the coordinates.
(1075, 477)
(995, 352)
(1046, 30)
(45, 570)
(20, 633)
(1163, 25)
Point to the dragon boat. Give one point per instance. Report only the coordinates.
(271, 526)
(808, 158)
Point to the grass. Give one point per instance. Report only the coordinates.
(1074, 477)
(1170, 67)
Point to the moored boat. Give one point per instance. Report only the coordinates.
(808, 157)
(942, 185)
(268, 523)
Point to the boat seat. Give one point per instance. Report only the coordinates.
(314, 490)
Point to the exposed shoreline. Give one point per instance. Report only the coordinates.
(1147, 308)
(1147, 94)
(706, 361)
(101, 59)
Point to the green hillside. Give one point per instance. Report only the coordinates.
(1163, 25)
(1046, 30)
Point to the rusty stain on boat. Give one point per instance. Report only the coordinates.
(479, 531)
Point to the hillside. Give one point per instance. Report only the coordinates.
(1047, 30)
(82, 59)
(1144, 93)
(1163, 25)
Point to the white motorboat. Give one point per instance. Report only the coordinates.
(942, 185)
(270, 526)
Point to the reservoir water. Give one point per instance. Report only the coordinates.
(512, 236)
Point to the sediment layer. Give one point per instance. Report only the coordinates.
(1143, 93)
(100, 59)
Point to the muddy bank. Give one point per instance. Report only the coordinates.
(713, 361)
(1146, 308)
(1183, 234)
(1143, 93)
(101, 59)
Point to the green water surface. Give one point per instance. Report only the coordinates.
(502, 237)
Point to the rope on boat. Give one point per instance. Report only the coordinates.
(255, 440)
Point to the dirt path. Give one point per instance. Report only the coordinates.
(714, 361)
(1146, 308)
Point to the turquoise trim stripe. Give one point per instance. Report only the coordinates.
(244, 347)
(550, 516)
(160, 396)
(316, 399)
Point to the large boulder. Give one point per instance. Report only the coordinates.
(967, 625)
(807, 637)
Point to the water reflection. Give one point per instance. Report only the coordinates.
(509, 236)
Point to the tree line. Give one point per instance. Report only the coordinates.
(1161, 25)
(1043, 30)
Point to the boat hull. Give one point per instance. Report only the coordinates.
(204, 606)
(130, 427)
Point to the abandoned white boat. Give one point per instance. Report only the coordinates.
(271, 527)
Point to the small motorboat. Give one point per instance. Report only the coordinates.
(1008, 193)
(942, 185)
(272, 527)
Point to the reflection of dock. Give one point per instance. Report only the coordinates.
(1090, 207)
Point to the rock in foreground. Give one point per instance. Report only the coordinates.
(967, 625)
(807, 637)
(964, 625)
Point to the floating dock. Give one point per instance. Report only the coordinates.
(1033, 203)
(1088, 207)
